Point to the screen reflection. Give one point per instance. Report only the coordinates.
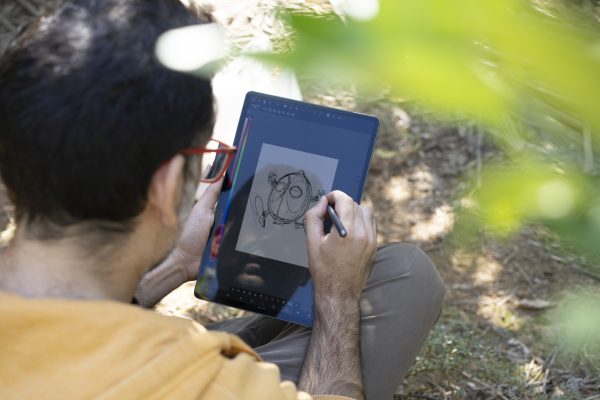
(247, 280)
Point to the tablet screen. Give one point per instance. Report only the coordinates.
(289, 154)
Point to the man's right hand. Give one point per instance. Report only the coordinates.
(340, 266)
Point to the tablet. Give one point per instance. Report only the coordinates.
(289, 153)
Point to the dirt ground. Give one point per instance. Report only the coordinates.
(495, 338)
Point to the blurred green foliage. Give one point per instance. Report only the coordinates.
(528, 71)
(580, 321)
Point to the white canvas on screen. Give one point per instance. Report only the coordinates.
(286, 184)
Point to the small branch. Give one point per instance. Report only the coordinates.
(419, 396)
(547, 366)
(7, 23)
(525, 275)
(479, 155)
(29, 7)
(510, 257)
(588, 151)
(584, 271)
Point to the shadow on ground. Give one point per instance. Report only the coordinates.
(495, 338)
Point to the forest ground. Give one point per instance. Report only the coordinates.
(496, 337)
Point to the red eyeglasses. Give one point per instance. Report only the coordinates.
(223, 154)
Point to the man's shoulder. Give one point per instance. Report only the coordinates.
(115, 344)
(98, 316)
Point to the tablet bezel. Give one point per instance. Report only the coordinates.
(204, 278)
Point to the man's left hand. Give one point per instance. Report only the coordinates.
(183, 262)
(188, 252)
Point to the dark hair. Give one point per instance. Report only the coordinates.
(87, 114)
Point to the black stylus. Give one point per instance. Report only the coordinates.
(336, 221)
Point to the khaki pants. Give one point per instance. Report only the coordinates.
(399, 306)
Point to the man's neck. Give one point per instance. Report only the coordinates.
(63, 268)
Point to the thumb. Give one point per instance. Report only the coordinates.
(313, 221)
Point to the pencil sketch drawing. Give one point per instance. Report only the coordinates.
(289, 197)
(286, 183)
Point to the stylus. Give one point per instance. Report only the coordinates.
(336, 221)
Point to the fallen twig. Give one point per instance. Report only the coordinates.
(588, 151)
(585, 272)
(495, 393)
(7, 23)
(420, 396)
(547, 366)
(479, 159)
(534, 304)
(510, 257)
(524, 275)
(28, 6)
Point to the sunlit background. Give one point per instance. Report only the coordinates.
(519, 80)
(486, 158)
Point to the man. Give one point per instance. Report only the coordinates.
(91, 135)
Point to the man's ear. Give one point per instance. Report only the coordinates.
(165, 189)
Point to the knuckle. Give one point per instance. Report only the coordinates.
(340, 196)
(373, 246)
(360, 210)
(361, 238)
(347, 201)
(306, 219)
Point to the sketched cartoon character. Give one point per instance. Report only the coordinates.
(288, 200)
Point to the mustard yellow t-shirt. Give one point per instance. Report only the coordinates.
(77, 349)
